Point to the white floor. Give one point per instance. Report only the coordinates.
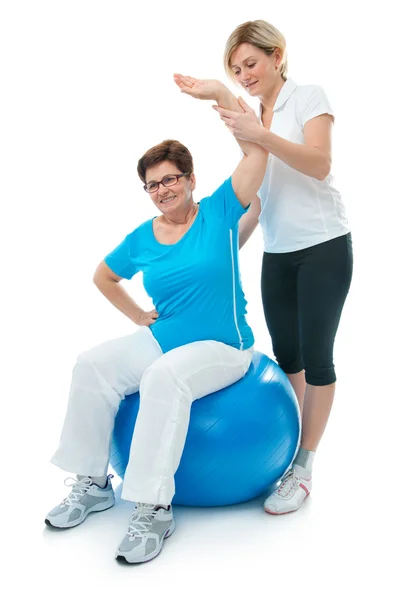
(330, 548)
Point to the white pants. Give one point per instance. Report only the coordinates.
(168, 384)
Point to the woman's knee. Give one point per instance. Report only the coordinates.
(94, 357)
(157, 375)
(100, 364)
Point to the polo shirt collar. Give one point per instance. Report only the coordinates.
(286, 91)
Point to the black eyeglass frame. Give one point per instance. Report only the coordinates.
(178, 176)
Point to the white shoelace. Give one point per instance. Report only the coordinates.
(141, 520)
(79, 488)
(288, 483)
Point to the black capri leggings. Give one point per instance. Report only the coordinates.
(303, 293)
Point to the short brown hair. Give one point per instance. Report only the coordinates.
(260, 34)
(170, 150)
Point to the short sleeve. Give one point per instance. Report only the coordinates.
(313, 102)
(224, 204)
(120, 259)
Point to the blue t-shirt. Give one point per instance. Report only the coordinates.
(194, 284)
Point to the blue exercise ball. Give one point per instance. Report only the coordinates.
(240, 441)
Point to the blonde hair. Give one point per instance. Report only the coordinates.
(260, 34)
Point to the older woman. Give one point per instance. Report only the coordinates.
(307, 262)
(195, 342)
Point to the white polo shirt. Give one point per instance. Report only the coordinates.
(298, 211)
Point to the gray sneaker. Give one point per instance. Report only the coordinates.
(86, 497)
(148, 527)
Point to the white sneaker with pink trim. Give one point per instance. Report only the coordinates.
(289, 496)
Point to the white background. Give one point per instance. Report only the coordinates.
(86, 88)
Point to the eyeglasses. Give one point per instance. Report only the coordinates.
(167, 181)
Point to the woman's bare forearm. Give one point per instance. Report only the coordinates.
(119, 297)
(226, 99)
(306, 159)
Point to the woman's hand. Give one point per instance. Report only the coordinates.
(203, 89)
(244, 126)
(146, 318)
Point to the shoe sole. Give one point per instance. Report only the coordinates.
(80, 520)
(277, 514)
(121, 558)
